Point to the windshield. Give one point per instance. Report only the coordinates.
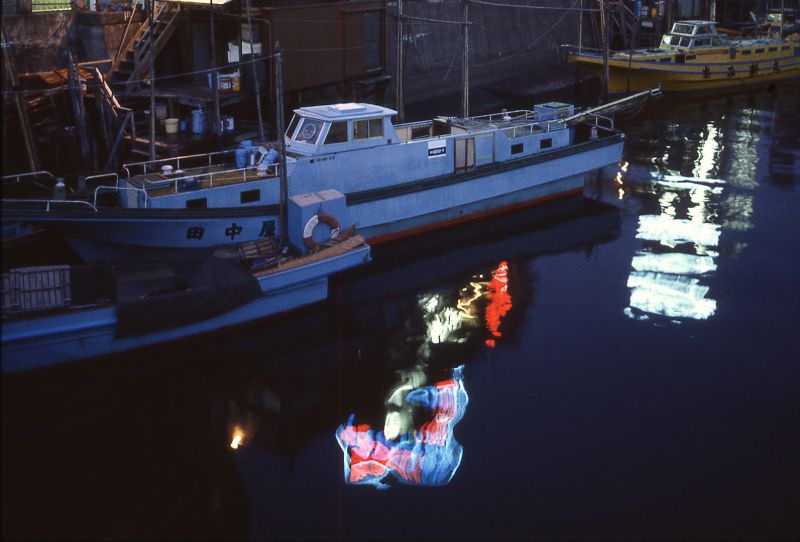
(682, 29)
(309, 131)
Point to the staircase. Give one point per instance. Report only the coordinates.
(134, 63)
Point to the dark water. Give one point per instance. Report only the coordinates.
(620, 368)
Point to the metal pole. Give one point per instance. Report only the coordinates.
(214, 75)
(580, 28)
(399, 92)
(255, 75)
(284, 191)
(782, 21)
(465, 68)
(150, 28)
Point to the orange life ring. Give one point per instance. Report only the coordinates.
(308, 230)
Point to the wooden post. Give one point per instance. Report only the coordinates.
(465, 64)
(399, 93)
(111, 160)
(284, 191)
(604, 34)
(214, 75)
(80, 121)
(256, 84)
(150, 32)
(21, 105)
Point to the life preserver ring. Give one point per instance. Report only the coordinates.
(308, 230)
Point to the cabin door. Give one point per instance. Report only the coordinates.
(465, 154)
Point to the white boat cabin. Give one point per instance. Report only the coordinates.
(692, 35)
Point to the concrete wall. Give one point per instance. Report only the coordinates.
(504, 43)
(42, 41)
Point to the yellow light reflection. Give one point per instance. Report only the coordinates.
(238, 438)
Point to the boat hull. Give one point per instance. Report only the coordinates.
(380, 214)
(710, 74)
(33, 343)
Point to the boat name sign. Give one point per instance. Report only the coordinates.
(437, 149)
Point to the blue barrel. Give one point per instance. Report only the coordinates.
(198, 121)
(183, 125)
(246, 144)
(242, 156)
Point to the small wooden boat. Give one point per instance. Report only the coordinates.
(695, 56)
(56, 314)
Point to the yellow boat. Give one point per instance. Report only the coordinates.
(694, 56)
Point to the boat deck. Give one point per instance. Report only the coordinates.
(159, 184)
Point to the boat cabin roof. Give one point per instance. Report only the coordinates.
(345, 111)
(694, 28)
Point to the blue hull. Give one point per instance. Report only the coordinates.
(33, 343)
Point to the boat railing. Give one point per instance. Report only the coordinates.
(599, 121)
(104, 176)
(19, 176)
(48, 204)
(117, 189)
(197, 181)
(177, 162)
(517, 114)
(530, 128)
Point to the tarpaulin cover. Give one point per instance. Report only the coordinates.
(219, 285)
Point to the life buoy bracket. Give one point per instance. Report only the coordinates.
(308, 230)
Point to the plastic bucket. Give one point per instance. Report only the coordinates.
(171, 126)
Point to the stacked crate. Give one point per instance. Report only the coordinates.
(30, 289)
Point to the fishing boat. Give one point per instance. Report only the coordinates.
(397, 179)
(58, 314)
(695, 56)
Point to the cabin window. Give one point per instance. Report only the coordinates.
(691, 57)
(309, 131)
(759, 51)
(420, 132)
(364, 129)
(702, 42)
(249, 196)
(337, 132)
(716, 42)
(685, 42)
(773, 49)
(785, 48)
(682, 28)
(546, 143)
(199, 203)
(292, 126)
(704, 30)
(516, 148)
(747, 52)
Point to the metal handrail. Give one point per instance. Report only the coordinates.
(176, 159)
(19, 176)
(51, 202)
(117, 189)
(102, 176)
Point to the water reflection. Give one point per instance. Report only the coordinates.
(446, 308)
(427, 454)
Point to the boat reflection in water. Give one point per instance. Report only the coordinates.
(680, 241)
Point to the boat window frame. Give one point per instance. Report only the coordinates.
(312, 139)
(370, 123)
(292, 126)
(331, 131)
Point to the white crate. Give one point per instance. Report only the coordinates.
(36, 288)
